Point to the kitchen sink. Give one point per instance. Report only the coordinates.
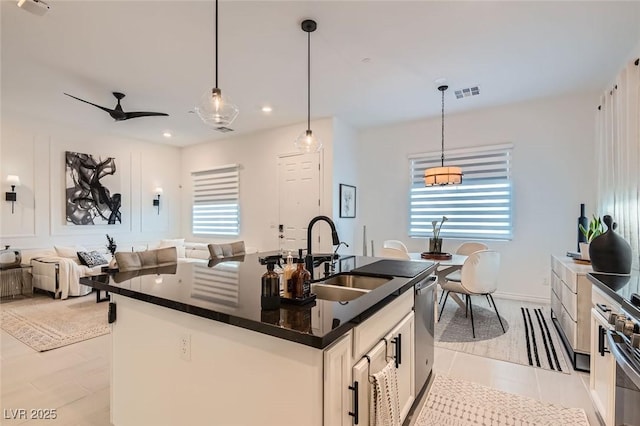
(336, 293)
(356, 281)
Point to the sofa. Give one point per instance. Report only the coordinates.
(58, 270)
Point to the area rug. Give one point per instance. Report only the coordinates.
(458, 402)
(44, 324)
(530, 337)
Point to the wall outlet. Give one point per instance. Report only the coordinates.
(545, 281)
(185, 347)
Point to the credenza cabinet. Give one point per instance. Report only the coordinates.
(571, 307)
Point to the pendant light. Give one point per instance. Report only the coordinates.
(214, 109)
(307, 141)
(442, 175)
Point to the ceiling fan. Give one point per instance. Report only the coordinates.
(117, 113)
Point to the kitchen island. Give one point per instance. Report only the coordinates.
(191, 345)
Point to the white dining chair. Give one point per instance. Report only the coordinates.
(466, 249)
(395, 244)
(394, 253)
(479, 276)
(469, 247)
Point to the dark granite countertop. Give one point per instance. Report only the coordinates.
(229, 292)
(619, 288)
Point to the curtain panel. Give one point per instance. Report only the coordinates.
(618, 155)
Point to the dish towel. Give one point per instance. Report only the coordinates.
(385, 405)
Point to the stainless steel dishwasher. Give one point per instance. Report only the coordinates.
(424, 305)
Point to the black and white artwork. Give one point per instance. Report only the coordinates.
(347, 201)
(92, 190)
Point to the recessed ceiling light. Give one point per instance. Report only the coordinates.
(267, 108)
(167, 135)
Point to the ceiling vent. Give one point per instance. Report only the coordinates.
(467, 92)
(37, 7)
(223, 129)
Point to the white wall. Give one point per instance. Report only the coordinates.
(257, 154)
(553, 172)
(35, 151)
(345, 171)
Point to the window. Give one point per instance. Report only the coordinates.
(216, 200)
(479, 208)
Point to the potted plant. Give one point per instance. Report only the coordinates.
(435, 243)
(593, 230)
(112, 249)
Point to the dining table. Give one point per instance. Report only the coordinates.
(446, 267)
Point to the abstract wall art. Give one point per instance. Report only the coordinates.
(92, 190)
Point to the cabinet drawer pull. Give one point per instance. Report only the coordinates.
(601, 333)
(354, 413)
(397, 341)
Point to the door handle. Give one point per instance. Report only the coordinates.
(356, 409)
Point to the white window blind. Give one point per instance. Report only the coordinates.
(479, 208)
(216, 199)
(218, 284)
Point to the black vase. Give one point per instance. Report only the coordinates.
(582, 220)
(610, 252)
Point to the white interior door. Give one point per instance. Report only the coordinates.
(299, 198)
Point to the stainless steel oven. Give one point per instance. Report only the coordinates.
(624, 344)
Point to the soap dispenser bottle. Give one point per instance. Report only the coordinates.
(270, 296)
(287, 284)
(301, 279)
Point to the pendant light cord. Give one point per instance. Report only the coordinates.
(442, 157)
(216, 44)
(309, 81)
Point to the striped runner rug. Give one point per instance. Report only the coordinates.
(541, 349)
(530, 338)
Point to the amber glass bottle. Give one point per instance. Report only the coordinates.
(270, 297)
(301, 279)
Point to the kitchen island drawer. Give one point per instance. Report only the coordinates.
(367, 334)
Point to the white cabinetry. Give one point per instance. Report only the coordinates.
(402, 337)
(337, 379)
(571, 306)
(232, 368)
(602, 377)
(388, 334)
(377, 358)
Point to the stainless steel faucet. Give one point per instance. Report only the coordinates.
(334, 236)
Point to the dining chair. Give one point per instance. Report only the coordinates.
(220, 251)
(466, 249)
(395, 244)
(469, 247)
(394, 253)
(132, 261)
(478, 277)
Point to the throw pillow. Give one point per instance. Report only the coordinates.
(91, 258)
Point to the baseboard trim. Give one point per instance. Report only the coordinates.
(522, 297)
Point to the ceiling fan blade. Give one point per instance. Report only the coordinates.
(90, 103)
(128, 115)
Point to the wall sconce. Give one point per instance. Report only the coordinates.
(156, 201)
(11, 196)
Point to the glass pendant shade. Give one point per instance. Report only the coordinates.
(308, 142)
(443, 176)
(216, 110)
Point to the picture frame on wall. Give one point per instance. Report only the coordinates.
(347, 201)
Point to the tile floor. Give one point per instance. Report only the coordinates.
(75, 381)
